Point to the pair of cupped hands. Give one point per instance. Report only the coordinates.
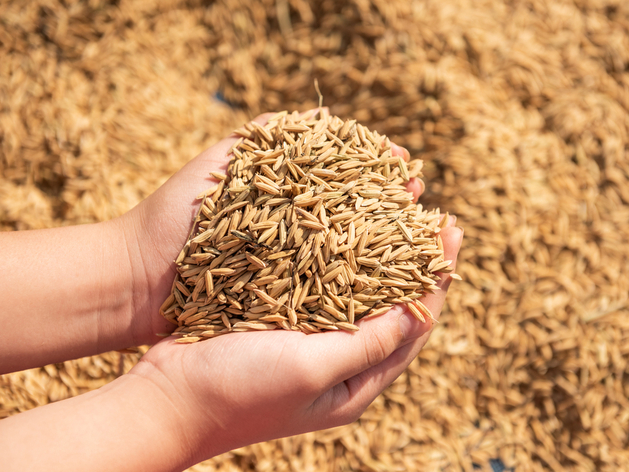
(180, 404)
(257, 386)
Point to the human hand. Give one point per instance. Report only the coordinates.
(157, 229)
(249, 387)
(185, 403)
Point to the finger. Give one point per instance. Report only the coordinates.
(347, 400)
(263, 118)
(400, 151)
(345, 355)
(452, 238)
(416, 187)
(452, 219)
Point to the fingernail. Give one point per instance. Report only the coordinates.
(422, 185)
(411, 327)
(452, 220)
(397, 149)
(462, 231)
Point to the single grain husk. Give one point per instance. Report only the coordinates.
(311, 230)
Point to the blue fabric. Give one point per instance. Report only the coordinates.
(496, 466)
(221, 98)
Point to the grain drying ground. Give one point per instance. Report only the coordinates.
(520, 111)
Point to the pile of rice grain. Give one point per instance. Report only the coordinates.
(520, 111)
(312, 230)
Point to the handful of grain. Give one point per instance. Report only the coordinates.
(311, 230)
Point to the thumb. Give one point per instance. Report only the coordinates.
(344, 355)
(355, 368)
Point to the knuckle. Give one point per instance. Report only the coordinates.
(377, 348)
(352, 415)
(305, 379)
(263, 117)
(348, 415)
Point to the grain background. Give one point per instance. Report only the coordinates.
(520, 110)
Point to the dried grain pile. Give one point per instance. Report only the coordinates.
(520, 112)
(311, 230)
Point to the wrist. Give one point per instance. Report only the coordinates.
(117, 330)
(185, 421)
(147, 286)
(127, 425)
(157, 425)
(73, 284)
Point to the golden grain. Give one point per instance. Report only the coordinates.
(523, 138)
